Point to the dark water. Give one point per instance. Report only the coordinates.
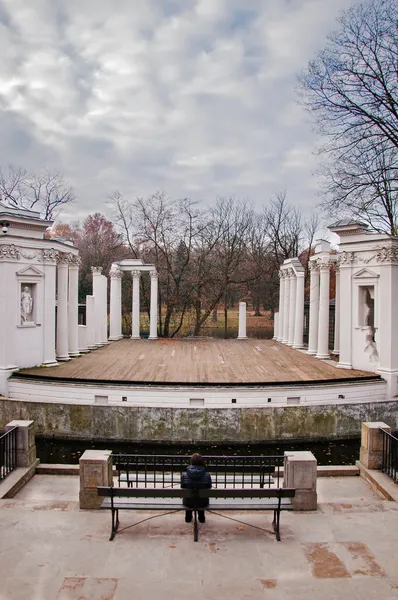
(63, 451)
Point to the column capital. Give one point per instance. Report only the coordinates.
(96, 270)
(115, 273)
(62, 259)
(314, 265)
(347, 258)
(154, 274)
(136, 274)
(325, 264)
(49, 255)
(74, 261)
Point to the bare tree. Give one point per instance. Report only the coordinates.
(46, 191)
(351, 88)
(284, 226)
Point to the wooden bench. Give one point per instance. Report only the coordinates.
(170, 499)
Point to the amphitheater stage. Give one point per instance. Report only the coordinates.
(199, 362)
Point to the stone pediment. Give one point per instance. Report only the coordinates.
(366, 274)
(30, 272)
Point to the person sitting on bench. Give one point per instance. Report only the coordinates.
(196, 476)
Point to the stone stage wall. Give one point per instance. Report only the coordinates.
(240, 425)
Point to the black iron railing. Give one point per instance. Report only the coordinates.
(8, 452)
(390, 455)
(226, 471)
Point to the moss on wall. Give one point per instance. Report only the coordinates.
(148, 424)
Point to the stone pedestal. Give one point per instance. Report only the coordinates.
(95, 467)
(371, 452)
(26, 447)
(300, 473)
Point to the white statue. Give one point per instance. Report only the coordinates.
(26, 304)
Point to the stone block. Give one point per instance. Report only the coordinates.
(300, 472)
(95, 469)
(26, 448)
(371, 451)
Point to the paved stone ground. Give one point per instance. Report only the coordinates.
(50, 550)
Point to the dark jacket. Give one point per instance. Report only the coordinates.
(196, 476)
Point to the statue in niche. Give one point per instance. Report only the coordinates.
(369, 317)
(26, 305)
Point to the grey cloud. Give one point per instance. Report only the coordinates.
(191, 97)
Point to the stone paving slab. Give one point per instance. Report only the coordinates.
(51, 550)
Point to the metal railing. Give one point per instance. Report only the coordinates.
(389, 464)
(226, 471)
(8, 452)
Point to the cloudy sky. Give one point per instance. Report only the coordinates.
(194, 97)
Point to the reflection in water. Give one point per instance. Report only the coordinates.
(62, 451)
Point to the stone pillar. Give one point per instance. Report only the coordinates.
(242, 321)
(62, 309)
(292, 307)
(323, 325)
(276, 325)
(90, 322)
(73, 307)
(371, 452)
(314, 308)
(153, 317)
(95, 469)
(135, 333)
(281, 304)
(26, 446)
(299, 316)
(300, 473)
(97, 293)
(49, 331)
(115, 317)
(346, 316)
(336, 347)
(286, 306)
(104, 310)
(83, 348)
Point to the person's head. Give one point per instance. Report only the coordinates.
(196, 459)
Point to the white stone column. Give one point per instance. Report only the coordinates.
(62, 308)
(135, 333)
(346, 316)
(323, 325)
(281, 304)
(115, 317)
(97, 293)
(242, 321)
(314, 308)
(49, 330)
(104, 310)
(336, 348)
(292, 307)
(299, 316)
(73, 308)
(90, 322)
(286, 306)
(153, 323)
(276, 325)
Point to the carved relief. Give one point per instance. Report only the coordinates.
(9, 251)
(347, 258)
(49, 255)
(387, 254)
(26, 304)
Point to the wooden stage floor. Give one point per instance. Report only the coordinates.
(200, 360)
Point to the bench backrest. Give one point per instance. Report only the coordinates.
(117, 492)
(243, 469)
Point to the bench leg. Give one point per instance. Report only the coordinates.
(115, 523)
(195, 526)
(275, 524)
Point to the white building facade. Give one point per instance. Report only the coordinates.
(35, 275)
